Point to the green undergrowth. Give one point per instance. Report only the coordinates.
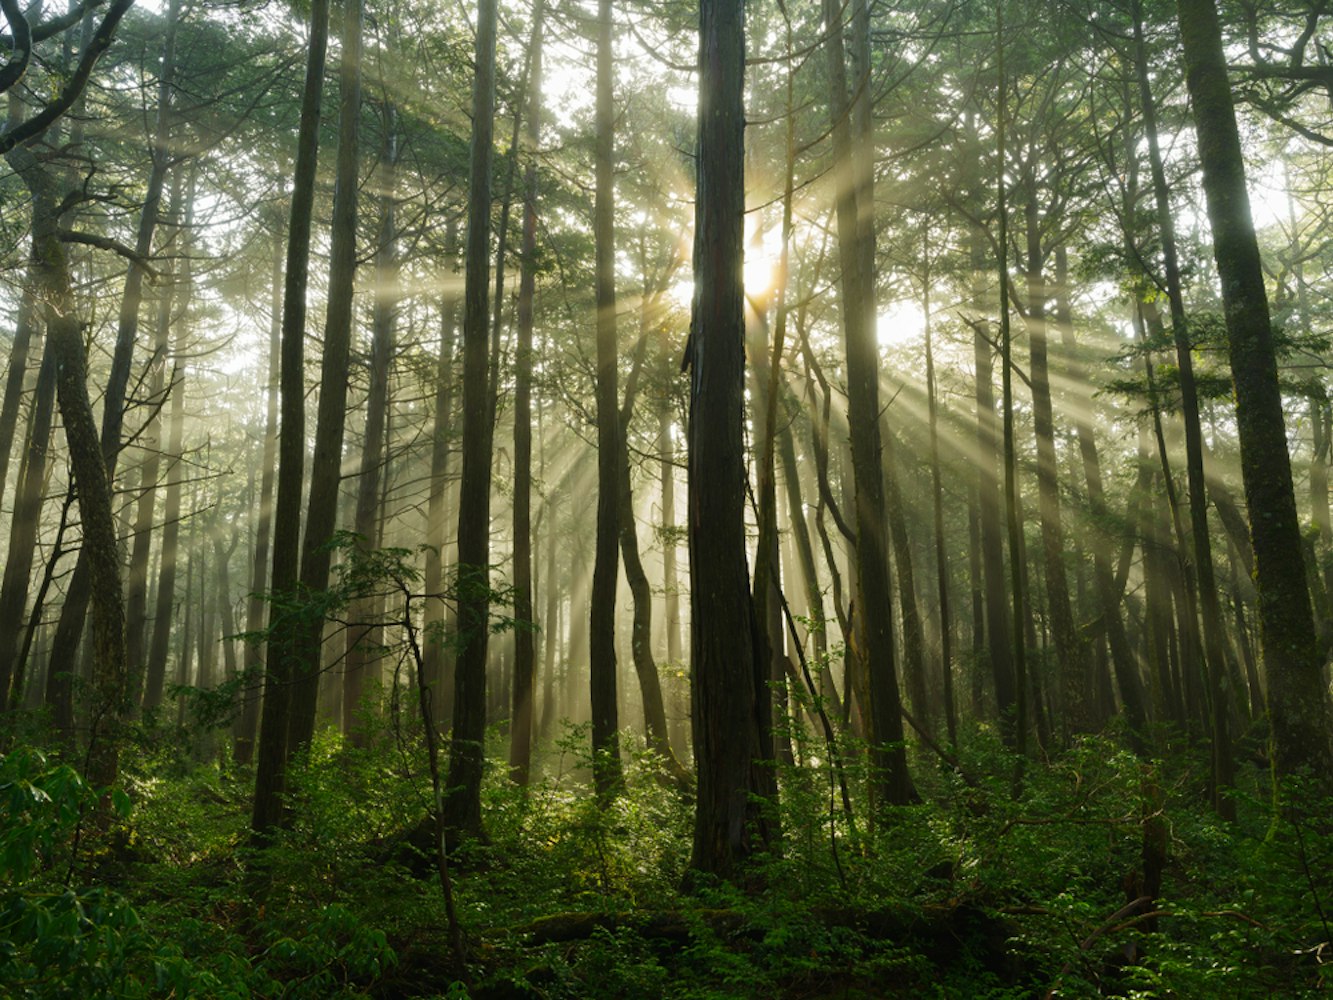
(154, 891)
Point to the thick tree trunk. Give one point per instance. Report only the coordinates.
(91, 471)
(730, 703)
(1297, 698)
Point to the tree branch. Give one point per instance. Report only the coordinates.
(44, 119)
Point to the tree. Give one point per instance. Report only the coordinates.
(463, 804)
(606, 561)
(730, 704)
(271, 760)
(1297, 699)
(854, 207)
(525, 653)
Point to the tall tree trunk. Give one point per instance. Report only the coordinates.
(670, 583)
(330, 424)
(998, 644)
(1011, 495)
(1108, 602)
(90, 467)
(23, 530)
(247, 727)
(433, 611)
(914, 652)
(1296, 693)
(136, 598)
(271, 760)
(25, 325)
(81, 591)
(463, 805)
(937, 506)
(1071, 658)
(805, 553)
(1214, 641)
(641, 629)
(606, 564)
(893, 784)
(730, 703)
(525, 652)
(363, 640)
(163, 619)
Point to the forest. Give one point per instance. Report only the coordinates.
(570, 499)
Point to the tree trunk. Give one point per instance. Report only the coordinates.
(23, 529)
(1108, 602)
(271, 761)
(364, 640)
(1214, 641)
(730, 703)
(331, 420)
(1296, 692)
(247, 728)
(606, 567)
(90, 467)
(434, 608)
(937, 509)
(1071, 658)
(463, 805)
(893, 785)
(25, 325)
(136, 599)
(525, 652)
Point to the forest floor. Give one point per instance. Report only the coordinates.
(974, 893)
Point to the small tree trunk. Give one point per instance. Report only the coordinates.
(23, 529)
(247, 727)
(525, 653)
(363, 639)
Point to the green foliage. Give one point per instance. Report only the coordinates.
(972, 893)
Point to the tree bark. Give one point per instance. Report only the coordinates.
(434, 608)
(525, 652)
(271, 761)
(1296, 694)
(330, 424)
(90, 467)
(363, 637)
(606, 567)
(892, 783)
(247, 726)
(463, 805)
(730, 703)
(23, 528)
